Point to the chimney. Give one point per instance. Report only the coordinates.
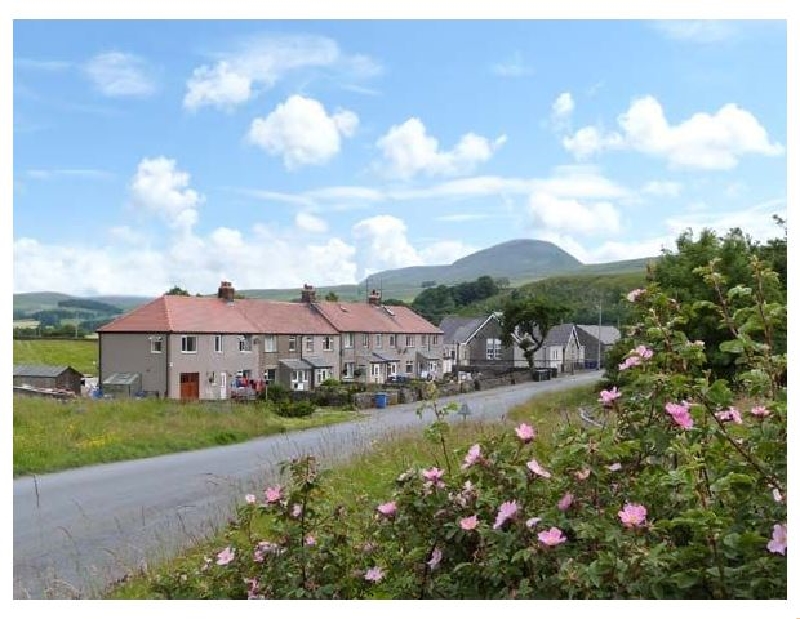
(308, 294)
(226, 292)
(374, 298)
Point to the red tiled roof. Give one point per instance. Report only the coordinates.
(365, 318)
(283, 317)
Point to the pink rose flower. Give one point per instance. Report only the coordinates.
(525, 433)
(759, 411)
(584, 474)
(311, 540)
(297, 510)
(614, 467)
(507, 510)
(374, 574)
(644, 352)
(273, 495)
(552, 537)
(731, 414)
(473, 455)
(565, 502)
(537, 469)
(632, 515)
(226, 556)
(778, 542)
(433, 474)
(469, 523)
(680, 414)
(634, 294)
(388, 509)
(436, 557)
(607, 397)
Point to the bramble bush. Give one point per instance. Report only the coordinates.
(678, 490)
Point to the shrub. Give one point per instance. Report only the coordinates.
(301, 408)
(330, 382)
(277, 393)
(676, 489)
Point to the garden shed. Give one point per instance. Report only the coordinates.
(48, 377)
(122, 385)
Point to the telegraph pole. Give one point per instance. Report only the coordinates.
(599, 329)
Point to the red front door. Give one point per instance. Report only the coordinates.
(190, 386)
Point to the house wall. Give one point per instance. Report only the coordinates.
(269, 360)
(68, 379)
(477, 345)
(210, 364)
(130, 352)
(361, 354)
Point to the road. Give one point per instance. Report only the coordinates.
(77, 531)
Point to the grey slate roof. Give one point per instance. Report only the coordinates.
(121, 378)
(317, 362)
(384, 357)
(295, 364)
(559, 335)
(608, 334)
(42, 371)
(458, 329)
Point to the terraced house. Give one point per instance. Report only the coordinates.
(195, 347)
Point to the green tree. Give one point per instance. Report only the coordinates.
(531, 318)
(177, 291)
(331, 296)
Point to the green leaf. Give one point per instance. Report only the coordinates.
(732, 346)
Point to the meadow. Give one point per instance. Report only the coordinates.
(80, 354)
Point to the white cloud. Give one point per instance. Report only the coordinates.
(697, 30)
(445, 252)
(116, 74)
(302, 131)
(381, 243)
(668, 189)
(459, 217)
(52, 173)
(705, 141)
(563, 105)
(755, 220)
(260, 62)
(310, 223)
(125, 234)
(408, 150)
(512, 67)
(159, 187)
(558, 214)
(42, 65)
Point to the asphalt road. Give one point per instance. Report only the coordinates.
(77, 531)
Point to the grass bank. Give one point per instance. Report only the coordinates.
(51, 436)
(360, 483)
(80, 354)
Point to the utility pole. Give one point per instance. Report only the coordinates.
(599, 340)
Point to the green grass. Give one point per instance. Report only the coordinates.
(80, 354)
(51, 436)
(369, 478)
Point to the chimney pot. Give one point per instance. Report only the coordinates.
(308, 294)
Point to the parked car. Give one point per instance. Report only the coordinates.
(398, 379)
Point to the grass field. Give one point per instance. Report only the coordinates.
(80, 354)
(369, 478)
(51, 436)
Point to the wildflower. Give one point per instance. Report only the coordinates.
(552, 537)
(525, 432)
(634, 294)
(388, 509)
(759, 411)
(374, 574)
(644, 352)
(630, 362)
(607, 397)
(226, 556)
(731, 414)
(468, 487)
(473, 455)
(432, 474)
(778, 542)
(506, 511)
(537, 469)
(297, 510)
(250, 498)
(776, 495)
(311, 540)
(582, 475)
(614, 467)
(565, 502)
(273, 495)
(532, 522)
(469, 523)
(632, 515)
(680, 414)
(436, 557)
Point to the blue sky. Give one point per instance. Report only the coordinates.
(277, 153)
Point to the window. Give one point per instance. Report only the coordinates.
(410, 368)
(348, 340)
(424, 341)
(217, 343)
(327, 343)
(392, 341)
(378, 340)
(189, 343)
(435, 340)
(299, 378)
(349, 369)
(156, 343)
(376, 369)
(245, 343)
(309, 344)
(409, 341)
(269, 375)
(269, 343)
(365, 340)
(392, 369)
(320, 376)
(292, 343)
(493, 352)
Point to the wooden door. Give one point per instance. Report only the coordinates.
(190, 386)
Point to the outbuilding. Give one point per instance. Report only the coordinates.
(48, 377)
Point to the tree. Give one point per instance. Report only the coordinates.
(177, 291)
(395, 302)
(331, 296)
(531, 318)
(502, 283)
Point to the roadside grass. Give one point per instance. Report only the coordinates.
(368, 478)
(80, 354)
(52, 436)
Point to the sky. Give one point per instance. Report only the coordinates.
(148, 154)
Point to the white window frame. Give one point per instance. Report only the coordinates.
(327, 343)
(365, 340)
(379, 340)
(274, 375)
(184, 344)
(392, 368)
(156, 339)
(292, 343)
(424, 340)
(435, 340)
(309, 344)
(218, 340)
(349, 340)
(375, 370)
(270, 343)
(245, 343)
(351, 366)
(410, 371)
(493, 349)
(392, 340)
(409, 341)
